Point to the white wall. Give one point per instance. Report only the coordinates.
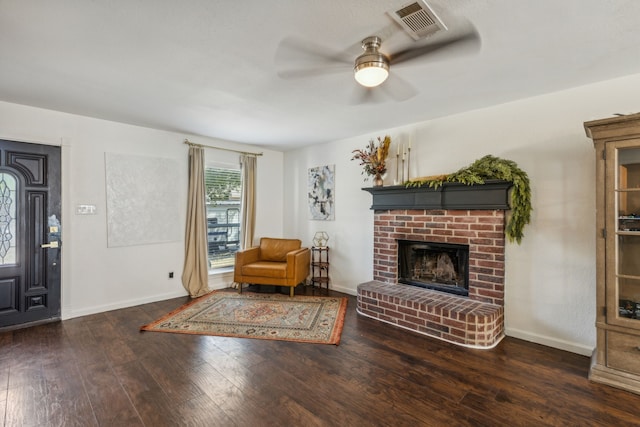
(96, 277)
(550, 277)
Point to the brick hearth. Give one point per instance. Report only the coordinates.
(475, 321)
(437, 314)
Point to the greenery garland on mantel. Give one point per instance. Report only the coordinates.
(491, 167)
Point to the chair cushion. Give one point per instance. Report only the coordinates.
(276, 270)
(277, 249)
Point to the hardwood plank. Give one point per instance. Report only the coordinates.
(67, 403)
(86, 350)
(3, 404)
(328, 399)
(24, 404)
(246, 404)
(151, 403)
(4, 377)
(297, 414)
(110, 340)
(173, 379)
(56, 343)
(6, 343)
(111, 404)
(201, 411)
(27, 371)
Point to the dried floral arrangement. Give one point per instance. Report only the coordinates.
(374, 157)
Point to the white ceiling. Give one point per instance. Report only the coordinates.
(210, 67)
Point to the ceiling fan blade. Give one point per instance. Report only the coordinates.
(394, 88)
(468, 42)
(365, 95)
(292, 48)
(398, 89)
(301, 73)
(296, 58)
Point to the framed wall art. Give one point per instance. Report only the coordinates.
(321, 193)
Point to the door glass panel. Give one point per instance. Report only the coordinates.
(7, 219)
(628, 232)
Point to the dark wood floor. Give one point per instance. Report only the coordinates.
(100, 370)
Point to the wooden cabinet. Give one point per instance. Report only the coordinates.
(320, 266)
(616, 359)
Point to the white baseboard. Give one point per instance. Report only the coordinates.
(348, 291)
(218, 280)
(550, 342)
(70, 313)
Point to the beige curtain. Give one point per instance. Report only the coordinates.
(195, 274)
(248, 206)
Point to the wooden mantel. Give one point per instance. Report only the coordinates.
(493, 194)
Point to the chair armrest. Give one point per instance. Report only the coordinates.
(247, 256)
(298, 261)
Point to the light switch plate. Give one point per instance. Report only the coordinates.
(85, 209)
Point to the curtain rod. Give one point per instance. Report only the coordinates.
(186, 141)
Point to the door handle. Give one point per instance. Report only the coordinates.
(50, 245)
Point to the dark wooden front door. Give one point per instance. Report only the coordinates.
(30, 233)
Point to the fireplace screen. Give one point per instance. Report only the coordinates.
(439, 266)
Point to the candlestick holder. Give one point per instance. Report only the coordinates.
(408, 163)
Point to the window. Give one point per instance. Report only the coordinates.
(222, 191)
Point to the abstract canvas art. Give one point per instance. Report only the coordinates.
(141, 200)
(321, 193)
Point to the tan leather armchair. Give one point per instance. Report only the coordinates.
(277, 262)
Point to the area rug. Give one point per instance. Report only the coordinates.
(301, 318)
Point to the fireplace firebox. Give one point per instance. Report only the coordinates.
(433, 265)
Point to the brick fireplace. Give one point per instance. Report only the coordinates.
(476, 320)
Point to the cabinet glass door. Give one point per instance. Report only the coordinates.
(623, 244)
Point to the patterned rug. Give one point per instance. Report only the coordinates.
(269, 317)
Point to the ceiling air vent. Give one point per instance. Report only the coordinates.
(417, 19)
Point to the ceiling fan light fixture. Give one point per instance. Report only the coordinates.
(372, 73)
(372, 67)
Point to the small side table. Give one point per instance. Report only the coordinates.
(320, 266)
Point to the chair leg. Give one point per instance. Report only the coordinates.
(291, 291)
(240, 287)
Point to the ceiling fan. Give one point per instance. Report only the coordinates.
(372, 67)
